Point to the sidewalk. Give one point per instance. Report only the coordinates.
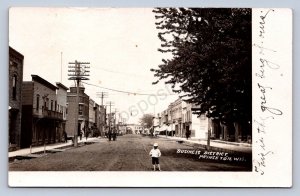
(216, 145)
(36, 149)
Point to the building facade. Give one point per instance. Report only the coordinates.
(92, 116)
(134, 128)
(102, 120)
(83, 111)
(61, 96)
(41, 119)
(178, 119)
(94, 119)
(15, 98)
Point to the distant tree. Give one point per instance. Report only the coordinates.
(147, 120)
(211, 59)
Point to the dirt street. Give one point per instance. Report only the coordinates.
(128, 153)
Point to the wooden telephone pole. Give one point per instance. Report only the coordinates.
(102, 95)
(109, 122)
(77, 71)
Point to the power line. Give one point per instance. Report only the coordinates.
(122, 73)
(78, 71)
(126, 92)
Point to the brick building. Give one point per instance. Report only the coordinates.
(15, 98)
(41, 119)
(102, 119)
(92, 113)
(83, 111)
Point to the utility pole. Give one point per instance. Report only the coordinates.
(109, 123)
(115, 118)
(102, 95)
(77, 71)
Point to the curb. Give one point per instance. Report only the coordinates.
(54, 149)
(213, 148)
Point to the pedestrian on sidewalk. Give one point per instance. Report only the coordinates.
(114, 134)
(155, 154)
(87, 134)
(109, 135)
(65, 136)
(187, 134)
(80, 134)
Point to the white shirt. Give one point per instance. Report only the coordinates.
(155, 153)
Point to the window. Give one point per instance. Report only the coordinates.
(55, 106)
(80, 112)
(14, 87)
(51, 108)
(46, 103)
(37, 102)
(13, 63)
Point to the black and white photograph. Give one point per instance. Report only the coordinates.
(121, 96)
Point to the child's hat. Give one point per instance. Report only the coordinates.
(155, 144)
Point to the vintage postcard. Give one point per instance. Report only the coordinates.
(150, 97)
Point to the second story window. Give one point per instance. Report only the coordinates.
(51, 105)
(46, 102)
(80, 111)
(14, 87)
(37, 102)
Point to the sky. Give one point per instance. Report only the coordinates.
(120, 44)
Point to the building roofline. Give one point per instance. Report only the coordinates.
(61, 85)
(43, 81)
(16, 52)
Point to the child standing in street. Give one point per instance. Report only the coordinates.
(155, 154)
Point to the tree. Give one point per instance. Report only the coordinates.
(211, 59)
(147, 120)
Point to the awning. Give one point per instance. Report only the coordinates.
(165, 128)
